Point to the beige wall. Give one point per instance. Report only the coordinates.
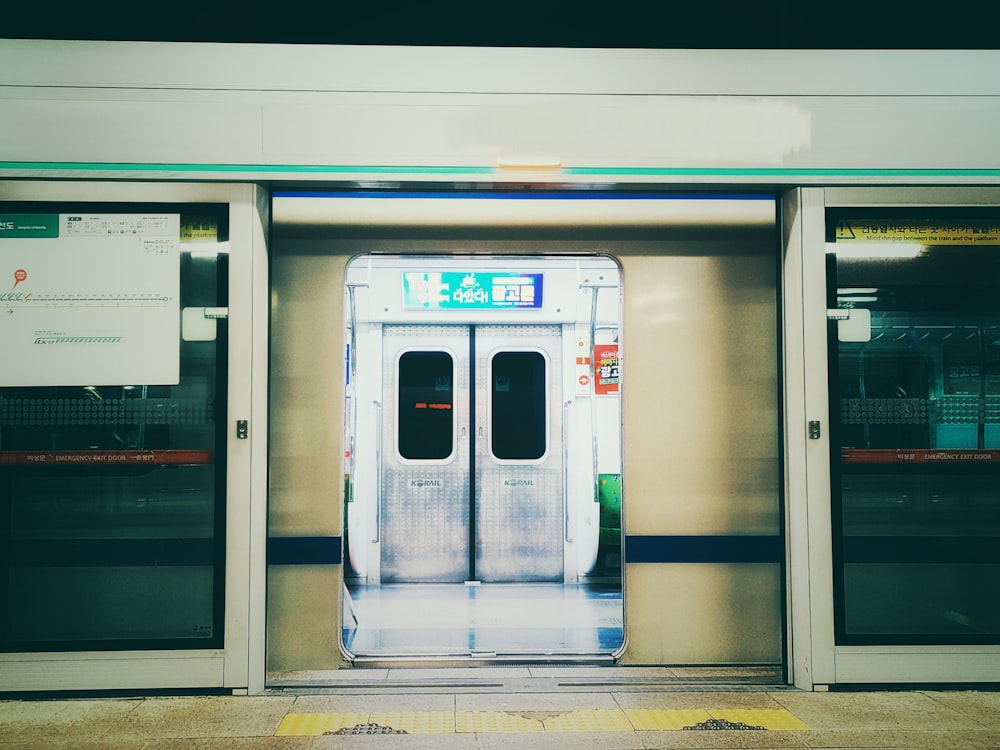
(700, 395)
(703, 613)
(306, 455)
(700, 415)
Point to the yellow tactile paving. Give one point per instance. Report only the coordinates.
(497, 722)
(311, 725)
(769, 718)
(416, 722)
(659, 719)
(590, 720)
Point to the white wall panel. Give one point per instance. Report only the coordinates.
(461, 130)
(315, 111)
(139, 130)
(316, 68)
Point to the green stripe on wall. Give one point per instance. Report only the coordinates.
(438, 170)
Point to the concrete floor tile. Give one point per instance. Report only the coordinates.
(398, 742)
(873, 710)
(216, 716)
(62, 720)
(894, 739)
(561, 741)
(230, 743)
(20, 717)
(44, 742)
(983, 707)
(29, 711)
(721, 739)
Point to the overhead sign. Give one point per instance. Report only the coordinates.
(471, 291)
(90, 299)
(985, 232)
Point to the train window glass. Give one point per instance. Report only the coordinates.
(916, 412)
(112, 494)
(517, 413)
(426, 401)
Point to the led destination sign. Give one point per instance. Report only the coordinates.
(471, 291)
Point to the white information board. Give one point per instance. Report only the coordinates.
(89, 299)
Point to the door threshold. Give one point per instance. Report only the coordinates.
(436, 677)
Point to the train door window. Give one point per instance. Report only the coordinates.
(425, 408)
(915, 370)
(518, 399)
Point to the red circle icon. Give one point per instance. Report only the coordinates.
(584, 379)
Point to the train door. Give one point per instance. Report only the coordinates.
(472, 473)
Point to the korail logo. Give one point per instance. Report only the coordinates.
(425, 482)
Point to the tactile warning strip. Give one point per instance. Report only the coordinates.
(509, 722)
(299, 725)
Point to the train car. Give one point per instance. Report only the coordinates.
(323, 359)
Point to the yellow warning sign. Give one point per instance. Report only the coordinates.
(985, 232)
(199, 229)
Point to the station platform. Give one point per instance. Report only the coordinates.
(511, 707)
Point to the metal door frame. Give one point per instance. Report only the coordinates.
(239, 664)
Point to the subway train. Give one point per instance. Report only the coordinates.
(320, 360)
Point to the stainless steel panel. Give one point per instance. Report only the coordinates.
(424, 513)
(520, 514)
(426, 505)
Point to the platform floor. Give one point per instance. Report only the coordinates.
(434, 710)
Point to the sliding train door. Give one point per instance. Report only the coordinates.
(520, 490)
(423, 520)
(472, 468)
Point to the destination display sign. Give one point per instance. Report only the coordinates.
(471, 291)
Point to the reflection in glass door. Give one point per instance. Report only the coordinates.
(915, 391)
